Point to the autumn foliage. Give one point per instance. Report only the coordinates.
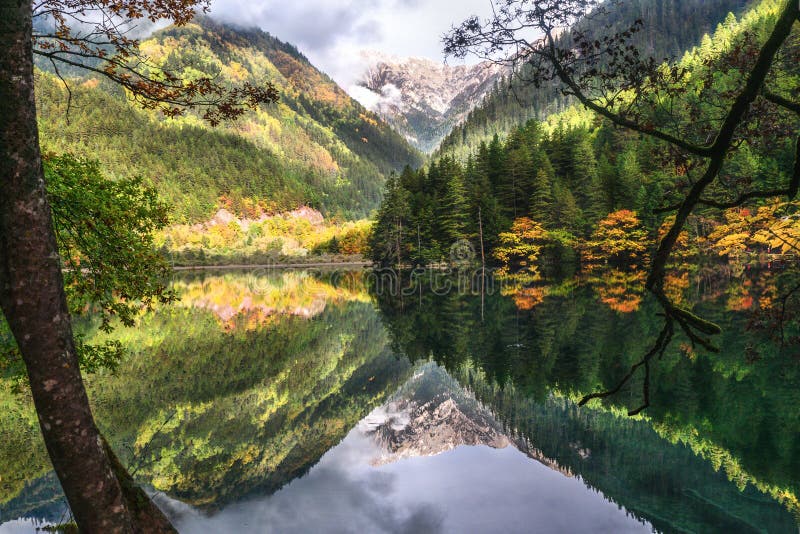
(773, 228)
(620, 291)
(520, 247)
(619, 240)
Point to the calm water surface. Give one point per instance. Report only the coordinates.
(303, 402)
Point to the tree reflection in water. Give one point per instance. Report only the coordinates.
(246, 384)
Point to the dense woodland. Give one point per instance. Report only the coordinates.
(578, 186)
(529, 353)
(531, 182)
(288, 388)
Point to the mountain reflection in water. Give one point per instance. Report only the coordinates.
(436, 485)
(298, 402)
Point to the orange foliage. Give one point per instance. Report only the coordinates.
(520, 246)
(530, 297)
(741, 297)
(682, 250)
(619, 240)
(621, 291)
(91, 83)
(675, 286)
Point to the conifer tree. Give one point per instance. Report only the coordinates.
(387, 240)
(494, 161)
(566, 213)
(541, 202)
(453, 206)
(585, 181)
(481, 199)
(628, 179)
(512, 185)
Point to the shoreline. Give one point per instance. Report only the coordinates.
(276, 266)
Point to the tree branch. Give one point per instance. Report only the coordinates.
(577, 92)
(781, 101)
(723, 142)
(151, 93)
(790, 192)
(663, 341)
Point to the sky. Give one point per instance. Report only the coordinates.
(332, 33)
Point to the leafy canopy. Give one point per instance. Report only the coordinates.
(105, 230)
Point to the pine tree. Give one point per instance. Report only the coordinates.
(387, 245)
(481, 198)
(608, 173)
(585, 181)
(494, 161)
(566, 213)
(511, 189)
(541, 202)
(649, 197)
(453, 208)
(629, 179)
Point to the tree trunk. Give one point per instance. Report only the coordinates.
(33, 300)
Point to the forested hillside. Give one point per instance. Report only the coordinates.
(286, 387)
(671, 29)
(576, 183)
(316, 146)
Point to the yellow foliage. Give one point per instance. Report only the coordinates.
(368, 119)
(236, 72)
(252, 302)
(619, 239)
(772, 229)
(520, 247)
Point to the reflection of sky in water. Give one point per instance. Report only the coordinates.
(18, 526)
(466, 490)
(469, 489)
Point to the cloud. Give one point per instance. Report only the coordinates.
(368, 98)
(332, 33)
(467, 489)
(310, 25)
(341, 494)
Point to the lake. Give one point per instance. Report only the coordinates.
(299, 401)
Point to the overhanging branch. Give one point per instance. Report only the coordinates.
(778, 100)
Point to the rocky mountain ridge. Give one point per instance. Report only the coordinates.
(433, 414)
(424, 99)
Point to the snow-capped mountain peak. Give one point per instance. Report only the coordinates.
(423, 99)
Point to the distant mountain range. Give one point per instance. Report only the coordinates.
(449, 109)
(433, 413)
(424, 99)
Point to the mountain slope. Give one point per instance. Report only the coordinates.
(670, 28)
(317, 146)
(424, 99)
